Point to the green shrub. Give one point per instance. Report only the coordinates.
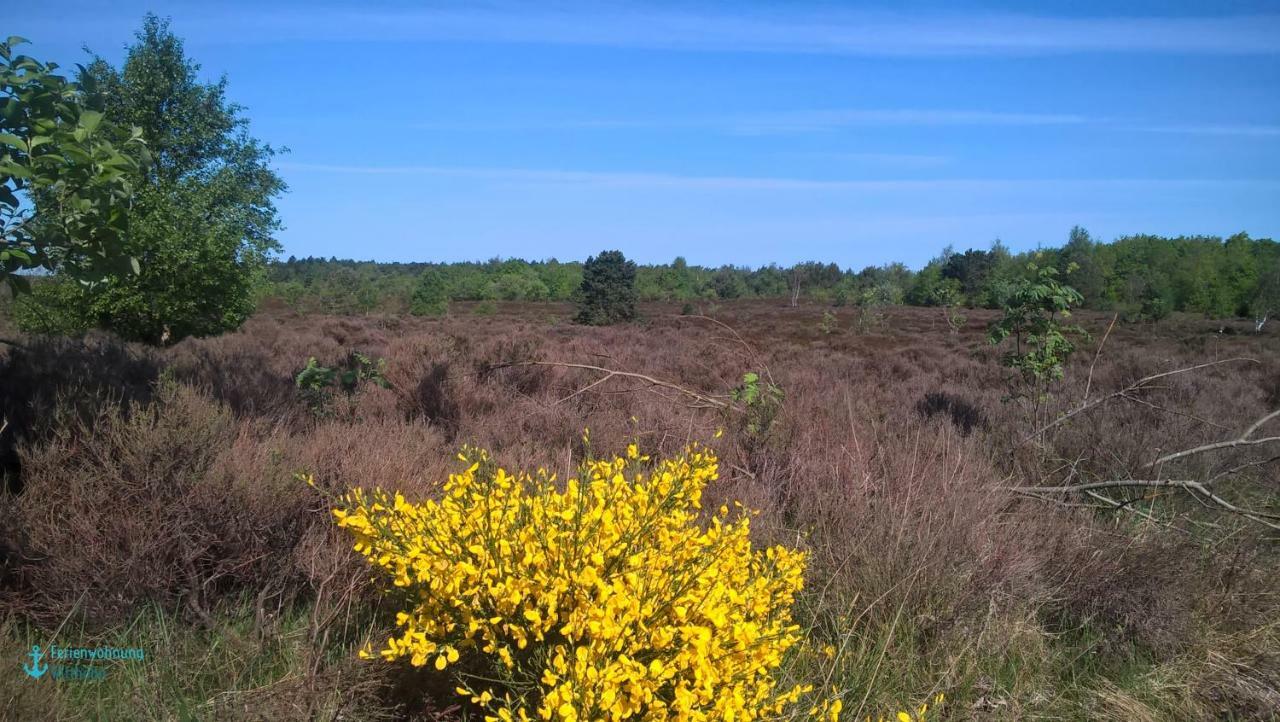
(828, 323)
(1033, 314)
(316, 383)
(608, 292)
(430, 295)
(52, 308)
(762, 400)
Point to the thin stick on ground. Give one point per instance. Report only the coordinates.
(1200, 489)
(755, 355)
(1142, 384)
(1088, 384)
(1242, 440)
(704, 401)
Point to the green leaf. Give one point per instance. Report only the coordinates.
(12, 140)
(89, 120)
(19, 284)
(14, 170)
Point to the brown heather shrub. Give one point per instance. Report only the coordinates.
(925, 569)
(54, 382)
(142, 505)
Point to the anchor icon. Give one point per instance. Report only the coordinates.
(35, 670)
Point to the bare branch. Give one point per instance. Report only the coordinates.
(1258, 424)
(1239, 468)
(1242, 440)
(704, 401)
(1195, 487)
(1098, 354)
(1175, 412)
(1142, 384)
(755, 355)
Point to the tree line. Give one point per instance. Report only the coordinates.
(134, 199)
(1141, 276)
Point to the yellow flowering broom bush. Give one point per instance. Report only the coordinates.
(604, 598)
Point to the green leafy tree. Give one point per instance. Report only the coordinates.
(761, 400)
(1087, 277)
(729, 283)
(946, 295)
(872, 301)
(1033, 319)
(608, 291)
(431, 295)
(1264, 301)
(204, 216)
(972, 270)
(75, 169)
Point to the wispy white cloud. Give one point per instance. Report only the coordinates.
(828, 120)
(1245, 130)
(825, 120)
(895, 160)
(629, 179)
(730, 27)
(781, 122)
(771, 29)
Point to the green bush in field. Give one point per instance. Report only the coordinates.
(430, 295)
(1034, 310)
(828, 324)
(608, 292)
(762, 401)
(316, 383)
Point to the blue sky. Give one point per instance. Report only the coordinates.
(735, 132)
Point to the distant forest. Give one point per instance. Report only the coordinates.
(1139, 276)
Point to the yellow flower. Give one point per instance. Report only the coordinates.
(565, 589)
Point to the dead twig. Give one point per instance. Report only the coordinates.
(1242, 440)
(1199, 489)
(755, 355)
(703, 400)
(1098, 354)
(1142, 384)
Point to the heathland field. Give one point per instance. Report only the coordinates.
(159, 499)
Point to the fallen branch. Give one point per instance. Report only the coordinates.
(755, 355)
(1199, 489)
(1195, 487)
(704, 401)
(1242, 440)
(1088, 384)
(1142, 384)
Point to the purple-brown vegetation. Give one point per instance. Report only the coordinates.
(167, 477)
